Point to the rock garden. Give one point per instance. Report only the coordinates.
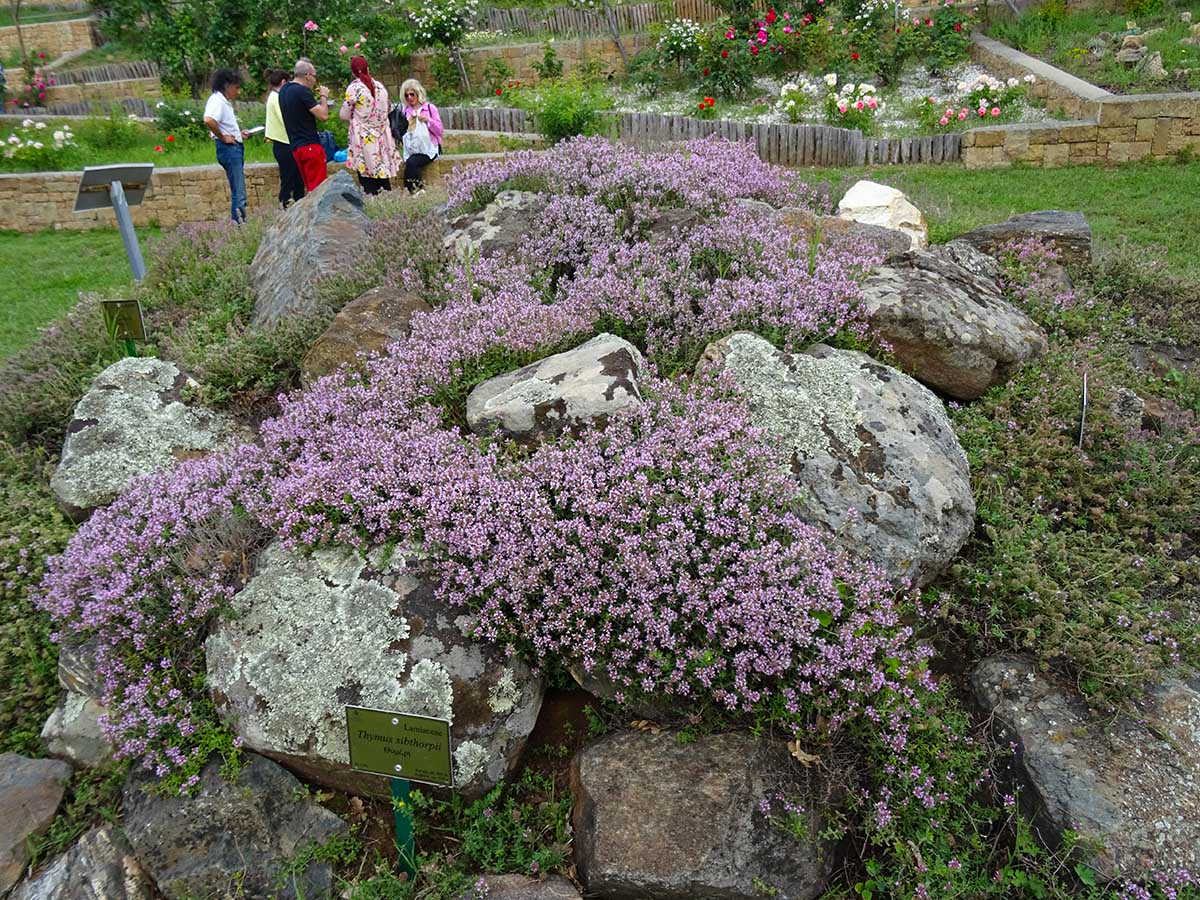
(752, 545)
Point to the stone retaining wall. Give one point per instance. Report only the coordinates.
(1105, 128)
(41, 200)
(52, 38)
(520, 58)
(147, 88)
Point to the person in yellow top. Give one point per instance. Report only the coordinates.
(291, 185)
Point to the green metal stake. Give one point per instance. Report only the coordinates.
(404, 827)
(130, 348)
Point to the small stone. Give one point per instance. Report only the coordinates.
(30, 791)
(878, 204)
(100, 866)
(368, 324)
(1131, 56)
(1152, 67)
(1133, 42)
(520, 887)
(73, 732)
(1185, 16)
(502, 227)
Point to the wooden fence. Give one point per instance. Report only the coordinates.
(786, 145)
(115, 72)
(565, 20)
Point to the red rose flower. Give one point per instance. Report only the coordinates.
(724, 54)
(499, 91)
(158, 148)
(700, 105)
(771, 17)
(170, 138)
(958, 27)
(854, 56)
(754, 51)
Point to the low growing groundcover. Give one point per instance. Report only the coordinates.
(516, 533)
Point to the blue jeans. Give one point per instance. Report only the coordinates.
(232, 158)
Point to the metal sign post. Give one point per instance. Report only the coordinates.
(404, 748)
(119, 186)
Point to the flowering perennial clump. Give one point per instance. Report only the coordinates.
(664, 552)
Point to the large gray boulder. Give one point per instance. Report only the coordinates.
(132, 421)
(658, 819)
(1068, 232)
(875, 451)
(304, 244)
(73, 731)
(1129, 787)
(587, 384)
(100, 866)
(230, 836)
(502, 227)
(313, 634)
(368, 324)
(30, 791)
(520, 887)
(948, 323)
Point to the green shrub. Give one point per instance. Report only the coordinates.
(566, 108)
(31, 529)
(550, 67)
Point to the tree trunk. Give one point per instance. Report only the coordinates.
(456, 55)
(611, 18)
(15, 6)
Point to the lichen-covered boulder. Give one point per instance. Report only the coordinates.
(587, 384)
(657, 819)
(132, 421)
(30, 791)
(100, 866)
(1068, 232)
(877, 204)
(1129, 787)
(73, 731)
(946, 321)
(368, 324)
(305, 243)
(501, 227)
(230, 838)
(313, 634)
(874, 450)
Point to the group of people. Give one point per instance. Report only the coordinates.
(293, 111)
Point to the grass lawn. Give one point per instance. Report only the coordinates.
(1145, 203)
(44, 273)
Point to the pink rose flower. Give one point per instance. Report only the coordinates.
(943, 121)
(995, 111)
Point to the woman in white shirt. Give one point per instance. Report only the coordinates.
(222, 122)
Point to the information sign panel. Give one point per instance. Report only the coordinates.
(123, 320)
(399, 745)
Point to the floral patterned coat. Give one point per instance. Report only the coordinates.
(372, 151)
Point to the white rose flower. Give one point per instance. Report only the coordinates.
(1012, 82)
(867, 88)
(159, 105)
(831, 79)
(39, 125)
(59, 136)
(37, 145)
(13, 139)
(25, 123)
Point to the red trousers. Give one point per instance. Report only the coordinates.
(311, 161)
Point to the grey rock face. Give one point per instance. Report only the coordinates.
(230, 834)
(306, 242)
(73, 731)
(367, 324)
(1152, 67)
(77, 666)
(100, 866)
(518, 887)
(948, 324)
(499, 228)
(890, 241)
(316, 633)
(1131, 786)
(1068, 232)
(586, 384)
(131, 421)
(30, 791)
(657, 819)
(875, 450)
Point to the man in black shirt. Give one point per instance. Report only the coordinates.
(301, 110)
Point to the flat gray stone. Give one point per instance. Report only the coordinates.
(657, 819)
(1068, 232)
(947, 322)
(230, 834)
(73, 732)
(304, 244)
(313, 634)
(520, 887)
(100, 866)
(586, 384)
(883, 470)
(1130, 786)
(30, 792)
(132, 421)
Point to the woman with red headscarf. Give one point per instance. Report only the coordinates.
(372, 149)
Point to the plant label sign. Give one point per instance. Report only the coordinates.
(399, 745)
(123, 320)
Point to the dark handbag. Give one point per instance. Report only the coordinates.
(398, 122)
(328, 143)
